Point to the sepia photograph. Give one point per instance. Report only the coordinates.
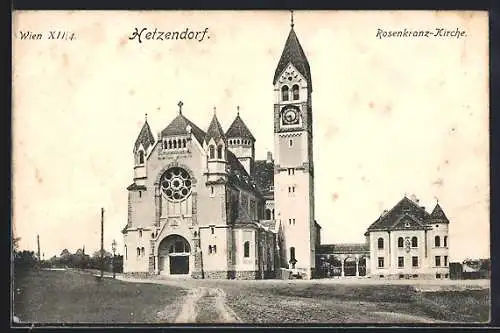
(250, 167)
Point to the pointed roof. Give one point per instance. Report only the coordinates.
(238, 129)
(215, 131)
(145, 137)
(293, 53)
(405, 207)
(438, 214)
(179, 125)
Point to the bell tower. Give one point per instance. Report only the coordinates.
(293, 144)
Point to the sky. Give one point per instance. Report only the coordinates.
(392, 116)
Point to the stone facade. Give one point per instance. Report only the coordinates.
(200, 205)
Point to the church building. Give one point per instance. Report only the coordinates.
(201, 206)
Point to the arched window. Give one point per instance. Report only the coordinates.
(211, 152)
(284, 93)
(437, 241)
(295, 92)
(142, 251)
(380, 243)
(400, 242)
(175, 144)
(138, 252)
(141, 157)
(140, 233)
(414, 241)
(292, 253)
(246, 249)
(268, 214)
(219, 152)
(184, 143)
(238, 141)
(273, 213)
(125, 250)
(445, 241)
(179, 143)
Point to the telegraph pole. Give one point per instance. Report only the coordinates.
(38, 247)
(102, 242)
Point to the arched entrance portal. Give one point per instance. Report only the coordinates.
(335, 266)
(350, 266)
(173, 253)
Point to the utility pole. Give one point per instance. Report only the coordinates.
(38, 247)
(113, 247)
(102, 242)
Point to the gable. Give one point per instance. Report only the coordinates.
(404, 207)
(407, 222)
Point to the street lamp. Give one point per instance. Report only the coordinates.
(113, 247)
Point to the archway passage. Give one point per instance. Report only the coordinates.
(335, 268)
(362, 266)
(350, 266)
(174, 251)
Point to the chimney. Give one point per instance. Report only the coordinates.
(269, 157)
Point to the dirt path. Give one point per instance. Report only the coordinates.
(206, 305)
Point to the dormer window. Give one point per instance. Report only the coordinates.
(295, 92)
(284, 93)
(211, 152)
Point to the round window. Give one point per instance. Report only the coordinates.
(176, 184)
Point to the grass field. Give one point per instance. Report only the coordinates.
(344, 303)
(72, 297)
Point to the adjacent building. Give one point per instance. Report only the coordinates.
(408, 242)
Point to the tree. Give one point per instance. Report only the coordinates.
(15, 243)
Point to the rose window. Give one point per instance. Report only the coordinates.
(176, 184)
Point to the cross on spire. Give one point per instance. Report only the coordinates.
(238, 110)
(215, 110)
(146, 116)
(180, 104)
(291, 19)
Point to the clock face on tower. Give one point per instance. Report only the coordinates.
(291, 116)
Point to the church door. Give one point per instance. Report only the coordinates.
(179, 264)
(175, 252)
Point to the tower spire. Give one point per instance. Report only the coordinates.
(291, 19)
